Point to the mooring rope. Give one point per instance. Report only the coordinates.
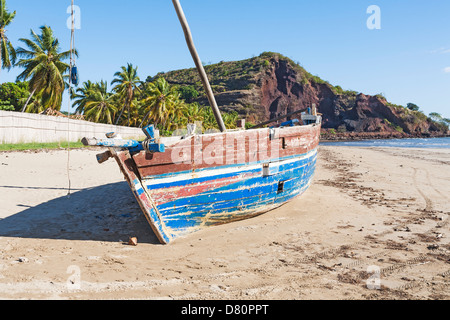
(72, 63)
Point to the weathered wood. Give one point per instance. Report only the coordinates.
(237, 175)
(118, 143)
(153, 147)
(198, 153)
(102, 157)
(198, 64)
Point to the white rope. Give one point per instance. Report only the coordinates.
(72, 63)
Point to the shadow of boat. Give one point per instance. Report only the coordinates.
(104, 213)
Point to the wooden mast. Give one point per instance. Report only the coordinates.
(198, 64)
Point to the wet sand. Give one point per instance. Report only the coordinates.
(373, 225)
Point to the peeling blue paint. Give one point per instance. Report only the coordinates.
(236, 200)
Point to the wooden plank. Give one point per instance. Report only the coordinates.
(207, 153)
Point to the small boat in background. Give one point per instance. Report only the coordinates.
(186, 183)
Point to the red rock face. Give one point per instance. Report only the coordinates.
(282, 90)
(281, 86)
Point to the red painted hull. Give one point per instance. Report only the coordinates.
(205, 180)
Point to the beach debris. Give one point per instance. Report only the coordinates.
(132, 241)
(22, 259)
(406, 229)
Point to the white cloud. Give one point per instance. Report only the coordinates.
(442, 50)
(447, 70)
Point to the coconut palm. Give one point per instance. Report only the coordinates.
(133, 116)
(98, 103)
(161, 101)
(230, 119)
(193, 113)
(7, 52)
(127, 84)
(81, 96)
(176, 115)
(44, 67)
(34, 104)
(209, 120)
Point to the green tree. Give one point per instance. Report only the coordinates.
(7, 52)
(412, 106)
(188, 93)
(44, 66)
(127, 84)
(435, 116)
(5, 106)
(13, 94)
(193, 113)
(81, 95)
(98, 103)
(161, 102)
(230, 119)
(209, 120)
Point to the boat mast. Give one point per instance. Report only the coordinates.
(198, 64)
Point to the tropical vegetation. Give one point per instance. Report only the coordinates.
(169, 100)
(130, 101)
(44, 67)
(7, 52)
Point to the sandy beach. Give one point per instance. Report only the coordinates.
(373, 225)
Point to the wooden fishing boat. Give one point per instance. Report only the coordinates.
(187, 183)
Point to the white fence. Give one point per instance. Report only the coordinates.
(17, 127)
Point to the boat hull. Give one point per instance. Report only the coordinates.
(233, 176)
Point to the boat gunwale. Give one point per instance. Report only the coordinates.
(130, 169)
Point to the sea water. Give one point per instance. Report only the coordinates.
(395, 143)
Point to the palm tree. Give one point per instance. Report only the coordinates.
(127, 83)
(193, 113)
(34, 104)
(133, 115)
(7, 52)
(81, 95)
(161, 102)
(98, 103)
(44, 66)
(209, 120)
(176, 115)
(230, 119)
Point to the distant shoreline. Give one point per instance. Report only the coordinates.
(361, 136)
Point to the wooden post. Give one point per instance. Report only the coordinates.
(198, 64)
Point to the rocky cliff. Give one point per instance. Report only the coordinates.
(270, 85)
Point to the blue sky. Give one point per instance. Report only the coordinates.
(407, 60)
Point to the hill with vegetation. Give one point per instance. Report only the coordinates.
(270, 85)
(257, 89)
